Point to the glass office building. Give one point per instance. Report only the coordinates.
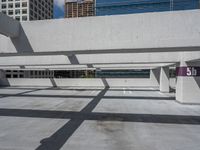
(114, 7)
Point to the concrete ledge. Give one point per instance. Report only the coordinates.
(111, 82)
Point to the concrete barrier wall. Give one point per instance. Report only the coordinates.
(147, 31)
(112, 82)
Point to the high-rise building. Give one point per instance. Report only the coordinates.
(115, 7)
(26, 10)
(29, 73)
(79, 8)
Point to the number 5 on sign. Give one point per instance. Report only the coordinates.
(191, 71)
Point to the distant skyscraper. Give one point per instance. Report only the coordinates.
(114, 7)
(79, 8)
(25, 10)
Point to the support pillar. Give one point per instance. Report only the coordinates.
(188, 83)
(3, 80)
(164, 80)
(2, 74)
(155, 77)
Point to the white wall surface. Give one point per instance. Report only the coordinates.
(119, 32)
(112, 82)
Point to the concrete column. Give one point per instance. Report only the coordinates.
(164, 79)
(188, 83)
(3, 79)
(2, 74)
(11, 73)
(155, 77)
(26, 74)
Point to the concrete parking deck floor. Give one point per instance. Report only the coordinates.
(96, 119)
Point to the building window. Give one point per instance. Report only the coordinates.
(10, 12)
(4, 12)
(21, 76)
(17, 18)
(24, 11)
(24, 4)
(17, 5)
(17, 11)
(8, 76)
(31, 18)
(3, 6)
(31, 6)
(10, 5)
(15, 76)
(31, 12)
(24, 18)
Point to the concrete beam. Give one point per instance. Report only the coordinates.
(8, 26)
(84, 67)
(190, 56)
(87, 59)
(134, 66)
(146, 32)
(128, 58)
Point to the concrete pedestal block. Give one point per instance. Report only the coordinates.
(188, 83)
(164, 80)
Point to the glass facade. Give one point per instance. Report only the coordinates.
(114, 7)
(122, 74)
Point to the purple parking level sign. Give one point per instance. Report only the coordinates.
(191, 71)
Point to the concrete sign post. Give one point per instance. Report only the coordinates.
(188, 82)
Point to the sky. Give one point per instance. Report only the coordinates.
(58, 8)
